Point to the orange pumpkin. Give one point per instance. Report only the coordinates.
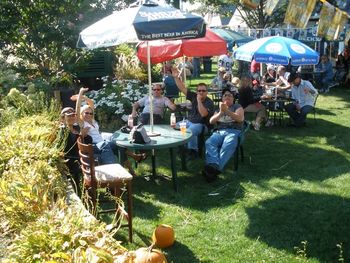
(149, 255)
(163, 236)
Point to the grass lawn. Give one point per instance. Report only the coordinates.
(288, 202)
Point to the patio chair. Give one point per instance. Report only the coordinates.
(314, 108)
(239, 148)
(111, 176)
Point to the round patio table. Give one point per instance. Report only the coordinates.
(169, 138)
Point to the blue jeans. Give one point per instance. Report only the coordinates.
(299, 118)
(105, 152)
(220, 147)
(196, 129)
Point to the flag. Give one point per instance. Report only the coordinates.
(326, 15)
(250, 3)
(299, 12)
(337, 25)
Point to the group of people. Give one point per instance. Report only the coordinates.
(225, 122)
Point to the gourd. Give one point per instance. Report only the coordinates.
(163, 236)
(149, 255)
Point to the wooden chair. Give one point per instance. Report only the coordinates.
(111, 176)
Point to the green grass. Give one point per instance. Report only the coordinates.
(293, 189)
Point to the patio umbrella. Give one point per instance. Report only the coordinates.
(232, 37)
(163, 50)
(149, 21)
(277, 50)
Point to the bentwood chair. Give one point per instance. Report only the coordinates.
(111, 176)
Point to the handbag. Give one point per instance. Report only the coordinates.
(139, 135)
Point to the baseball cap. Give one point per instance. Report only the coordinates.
(67, 111)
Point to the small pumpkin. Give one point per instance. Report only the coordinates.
(163, 236)
(149, 255)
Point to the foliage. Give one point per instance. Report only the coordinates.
(113, 103)
(254, 18)
(35, 219)
(46, 47)
(64, 234)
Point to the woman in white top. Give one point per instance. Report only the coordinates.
(89, 126)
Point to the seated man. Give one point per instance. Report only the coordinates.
(221, 145)
(198, 117)
(250, 101)
(282, 79)
(303, 93)
(325, 76)
(159, 102)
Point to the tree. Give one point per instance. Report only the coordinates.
(43, 33)
(254, 18)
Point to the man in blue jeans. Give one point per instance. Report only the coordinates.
(221, 145)
(198, 117)
(303, 94)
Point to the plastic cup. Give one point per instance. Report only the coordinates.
(183, 127)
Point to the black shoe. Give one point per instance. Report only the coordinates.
(210, 173)
(192, 155)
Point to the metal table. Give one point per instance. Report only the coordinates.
(169, 138)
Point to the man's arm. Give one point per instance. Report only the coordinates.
(181, 86)
(135, 106)
(170, 104)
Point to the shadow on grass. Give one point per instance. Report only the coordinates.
(319, 219)
(180, 253)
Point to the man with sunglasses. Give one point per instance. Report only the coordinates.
(159, 102)
(220, 146)
(198, 117)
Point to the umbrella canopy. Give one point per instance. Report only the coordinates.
(232, 37)
(149, 21)
(145, 22)
(161, 50)
(277, 50)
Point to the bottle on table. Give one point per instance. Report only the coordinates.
(172, 120)
(130, 121)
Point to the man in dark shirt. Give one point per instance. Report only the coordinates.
(201, 111)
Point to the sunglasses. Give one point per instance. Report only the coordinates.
(157, 89)
(228, 95)
(201, 90)
(71, 114)
(88, 113)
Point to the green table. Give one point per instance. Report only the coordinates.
(168, 139)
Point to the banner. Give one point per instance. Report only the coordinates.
(299, 12)
(338, 22)
(326, 15)
(250, 3)
(271, 6)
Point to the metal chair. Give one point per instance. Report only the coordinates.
(111, 176)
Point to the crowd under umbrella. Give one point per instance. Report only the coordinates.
(277, 50)
(145, 22)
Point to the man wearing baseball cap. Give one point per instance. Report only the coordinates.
(303, 94)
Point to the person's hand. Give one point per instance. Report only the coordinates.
(83, 89)
(175, 72)
(223, 107)
(74, 97)
(199, 98)
(298, 107)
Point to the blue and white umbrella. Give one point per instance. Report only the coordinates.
(277, 50)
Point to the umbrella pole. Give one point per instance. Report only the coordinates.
(150, 86)
(184, 68)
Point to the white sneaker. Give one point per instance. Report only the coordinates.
(269, 123)
(256, 125)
